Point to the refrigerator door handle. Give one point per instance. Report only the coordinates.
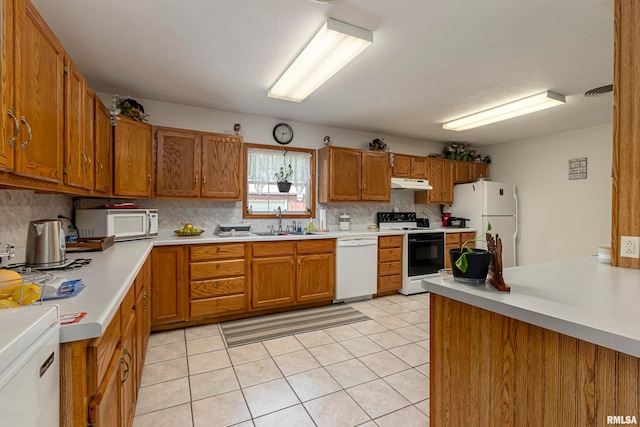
(515, 198)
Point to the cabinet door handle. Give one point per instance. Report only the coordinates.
(16, 124)
(88, 162)
(298, 265)
(126, 364)
(146, 300)
(84, 167)
(291, 265)
(195, 182)
(149, 182)
(364, 187)
(100, 167)
(218, 265)
(204, 182)
(23, 145)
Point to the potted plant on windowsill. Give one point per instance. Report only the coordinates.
(469, 265)
(282, 178)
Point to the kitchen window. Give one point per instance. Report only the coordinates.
(262, 196)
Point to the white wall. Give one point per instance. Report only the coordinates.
(559, 218)
(258, 129)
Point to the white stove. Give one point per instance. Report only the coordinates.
(423, 248)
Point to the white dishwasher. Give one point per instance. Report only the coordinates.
(356, 268)
(30, 366)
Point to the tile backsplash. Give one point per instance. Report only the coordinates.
(18, 207)
(207, 215)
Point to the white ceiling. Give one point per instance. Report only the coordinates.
(431, 61)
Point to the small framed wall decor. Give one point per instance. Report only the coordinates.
(578, 168)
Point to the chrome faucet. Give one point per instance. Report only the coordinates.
(279, 215)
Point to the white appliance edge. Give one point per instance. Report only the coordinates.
(489, 202)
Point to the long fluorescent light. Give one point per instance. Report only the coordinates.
(333, 47)
(517, 108)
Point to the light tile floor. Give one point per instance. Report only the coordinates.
(372, 373)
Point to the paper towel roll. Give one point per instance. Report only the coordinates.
(323, 219)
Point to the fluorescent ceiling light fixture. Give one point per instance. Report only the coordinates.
(530, 104)
(333, 47)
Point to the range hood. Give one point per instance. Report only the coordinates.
(410, 184)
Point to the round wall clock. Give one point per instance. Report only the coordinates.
(282, 133)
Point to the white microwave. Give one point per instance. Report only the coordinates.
(124, 224)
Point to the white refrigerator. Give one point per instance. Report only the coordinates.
(488, 202)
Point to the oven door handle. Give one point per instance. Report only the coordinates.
(425, 241)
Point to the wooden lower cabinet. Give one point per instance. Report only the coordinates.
(128, 374)
(288, 273)
(168, 285)
(316, 273)
(389, 263)
(217, 280)
(273, 274)
(454, 241)
(104, 408)
(101, 376)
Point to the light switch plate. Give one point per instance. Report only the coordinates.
(630, 247)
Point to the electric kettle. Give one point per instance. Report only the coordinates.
(45, 244)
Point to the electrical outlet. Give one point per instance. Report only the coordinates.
(630, 247)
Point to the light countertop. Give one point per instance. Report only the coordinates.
(110, 274)
(582, 298)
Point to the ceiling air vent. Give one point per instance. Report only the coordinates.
(599, 90)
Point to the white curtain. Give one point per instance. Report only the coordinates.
(262, 165)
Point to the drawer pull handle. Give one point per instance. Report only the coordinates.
(218, 265)
(218, 302)
(218, 249)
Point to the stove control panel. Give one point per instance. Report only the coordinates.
(395, 217)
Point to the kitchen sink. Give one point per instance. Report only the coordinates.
(283, 233)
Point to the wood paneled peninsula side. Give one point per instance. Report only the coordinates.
(562, 348)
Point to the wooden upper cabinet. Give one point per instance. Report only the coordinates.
(178, 163)
(463, 171)
(9, 121)
(78, 128)
(347, 174)
(419, 167)
(132, 158)
(441, 176)
(221, 166)
(40, 98)
(405, 166)
(194, 164)
(102, 147)
(401, 166)
(376, 176)
(480, 170)
(344, 174)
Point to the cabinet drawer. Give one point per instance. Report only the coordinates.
(216, 288)
(100, 351)
(389, 268)
(213, 270)
(452, 239)
(268, 249)
(316, 246)
(128, 302)
(221, 251)
(219, 306)
(389, 283)
(391, 254)
(390, 242)
(467, 236)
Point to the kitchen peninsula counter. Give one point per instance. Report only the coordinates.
(562, 348)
